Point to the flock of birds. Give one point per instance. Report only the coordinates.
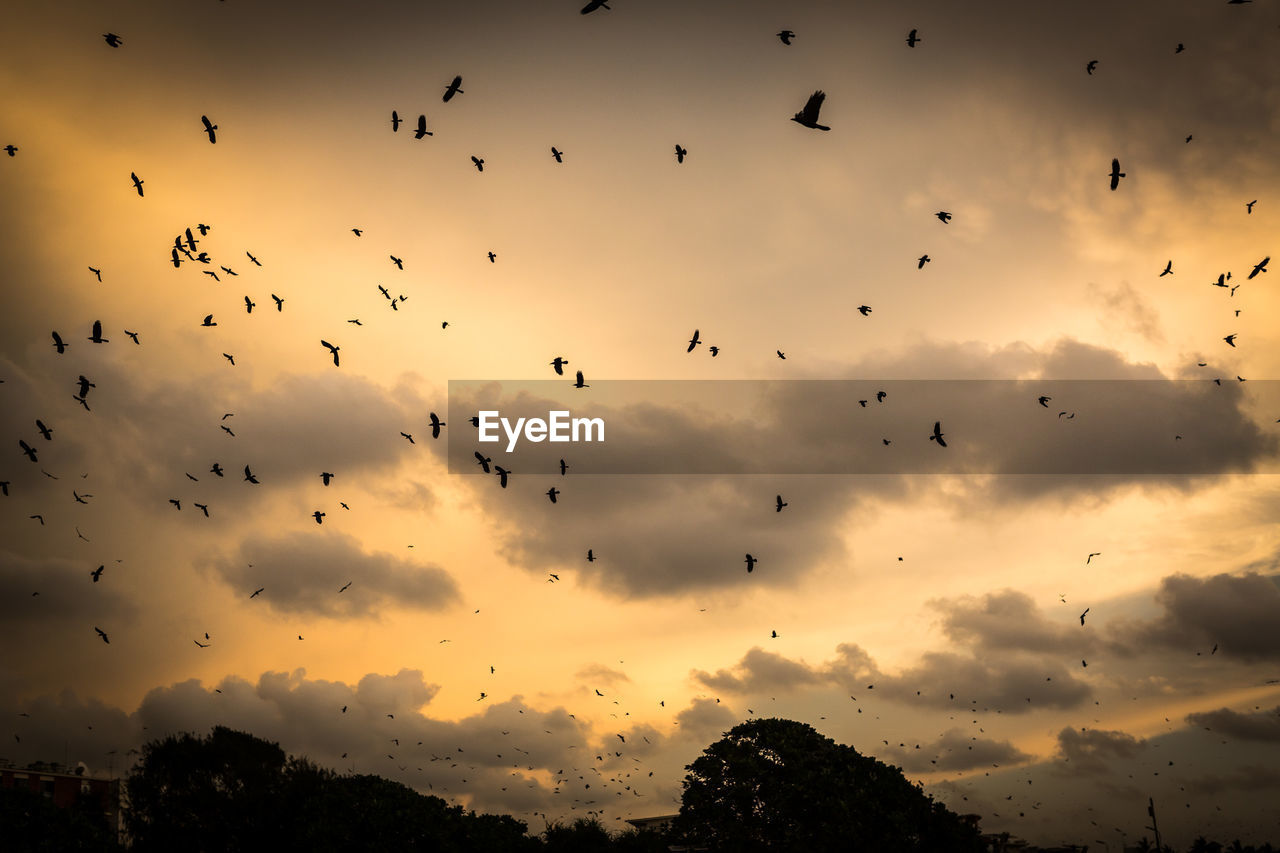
(186, 250)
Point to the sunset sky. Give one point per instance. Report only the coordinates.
(473, 616)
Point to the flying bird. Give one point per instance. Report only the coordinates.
(399, 265)
(913, 39)
(11, 150)
(782, 355)
(786, 36)
(395, 126)
(137, 182)
(1168, 270)
(809, 115)
(558, 364)
(1093, 63)
(781, 504)
(278, 301)
(938, 434)
(751, 563)
(557, 154)
(326, 477)
(318, 515)
(1091, 556)
(1231, 340)
(202, 507)
(579, 383)
(944, 216)
(113, 39)
(864, 310)
(680, 153)
(1086, 610)
(96, 574)
(97, 272)
(693, 342)
(208, 321)
(409, 437)
(103, 635)
(483, 462)
(563, 467)
(592, 6)
(209, 128)
(200, 644)
(591, 558)
(257, 591)
(28, 450)
(58, 344)
(133, 336)
(248, 305)
(479, 162)
(454, 88)
(1116, 174)
(503, 474)
(1260, 266)
(715, 351)
(420, 132)
(333, 350)
(252, 258)
(45, 432)
(248, 476)
(922, 260)
(1044, 400)
(436, 423)
(1248, 206)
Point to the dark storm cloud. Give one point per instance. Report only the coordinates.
(1094, 750)
(1257, 726)
(1238, 613)
(668, 535)
(1252, 778)
(953, 750)
(1008, 683)
(305, 571)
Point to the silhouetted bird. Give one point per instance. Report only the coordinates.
(209, 128)
(1116, 174)
(58, 344)
(113, 39)
(1093, 63)
(318, 516)
(278, 301)
(103, 635)
(557, 154)
(781, 504)
(680, 153)
(1260, 266)
(922, 260)
(326, 477)
(399, 265)
(409, 437)
(503, 474)
(1168, 270)
(483, 462)
(436, 423)
(864, 310)
(333, 350)
(395, 126)
(202, 507)
(479, 163)
(579, 383)
(693, 342)
(11, 150)
(1231, 339)
(248, 476)
(133, 336)
(786, 36)
(96, 272)
(595, 4)
(248, 305)
(97, 573)
(558, 364)
(944, 216)
(913, 39)
(782, 355)
(938, 434)
(751, 563)
(422, 128)
(492, 257)
(252, 258)
(257, 591)
(208, 321)
(137, 182)
(1086, 610)
(1248, 206)
(809, 115)
(454, 88)
(45, 432)
(552, 492)
(85, 385)
(715, 351)
(563, 467)
(216, 469)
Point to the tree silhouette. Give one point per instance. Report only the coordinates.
(773, 784)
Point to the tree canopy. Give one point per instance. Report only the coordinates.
(774, 784)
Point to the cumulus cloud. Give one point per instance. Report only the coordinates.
(955, 751)
(1261, 726)
(1092, 750)
(1238, 613)
(305, 571)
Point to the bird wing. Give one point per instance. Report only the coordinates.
(812, 106)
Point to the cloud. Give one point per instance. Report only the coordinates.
(1091, 750)
(955, 751)
(598, 673)
(305, 571)
(1259, 726)
(1008, 620)
(760, 671)
(705, 720)
(1238, 613)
